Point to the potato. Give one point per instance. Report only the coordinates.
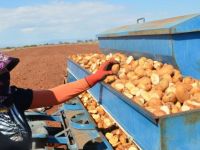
(144, 83)
(119, 57)
(185, 108)
(140, 72)
(165, 109)
(96, 117)
(114, 141)
(93, 103)
(174, 109)
(100, 110)
(127, 94)
(123, 76)
(115, 68)
(163, 85)
(109, 135)
(166, 77)
(151, 108)
(147, 65)
(132, 148)
(197, 96)
(123, 139)
(139, 100)
(192, 103)
(155, 79)
(182, 93)
(134, 64)
(141, 60)
(131, 74)
(134, 90)
(145, 95)
(194, 91)
(166, 69)
(110, 79)
(109, 56)
(171, 88)
(119, 147)
(129, 59)
(107, 123)
(117, 132)
(177, 76)
(156, 94)
(119, 87)
(178, 105)
(149, 72)
(188, 80)
(127, 68)
(159, 113)
(169, 97)
(196, 84)
(154, 102)
(129, 85)
(157, 65)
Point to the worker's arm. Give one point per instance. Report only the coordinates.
(59, 94)
(62, 93)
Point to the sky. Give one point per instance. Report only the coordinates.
(27, 22)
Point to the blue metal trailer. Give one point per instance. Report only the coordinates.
(174, 40)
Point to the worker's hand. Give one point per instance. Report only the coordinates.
(104, 70)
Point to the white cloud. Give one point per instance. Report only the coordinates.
(27, 30)
(64, 19)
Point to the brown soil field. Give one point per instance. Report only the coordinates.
(45, 66)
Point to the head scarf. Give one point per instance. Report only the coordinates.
(6, 65)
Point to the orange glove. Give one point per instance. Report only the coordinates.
(104, 70)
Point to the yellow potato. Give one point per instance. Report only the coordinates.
(110, 79)
(139, 100)
(115, 68)
(123, 139)
(188, 80)
(114, 141)
(100, 110)
(129, 59)
(109, 135)
(166, 69)
(140, 72)
(154, 102)
(159, 113)
(182, 93)
(163, 85)
(155, 79)
(169, 97)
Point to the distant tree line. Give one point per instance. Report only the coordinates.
(61, 42)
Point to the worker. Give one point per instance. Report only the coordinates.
(15, 132)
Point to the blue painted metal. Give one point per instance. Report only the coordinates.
(171, 132)
(81, 122)
(75, 106)
(187, 53)
(166, 26)
(175, 41)
(40, 136)
(61, 140)
(42, 116)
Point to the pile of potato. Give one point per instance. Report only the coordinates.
(158, 87)
(98, 114)
(116, 137)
